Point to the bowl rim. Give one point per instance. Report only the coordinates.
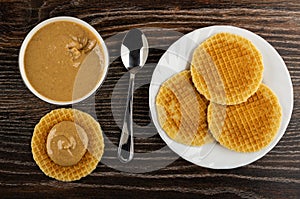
(34, 31)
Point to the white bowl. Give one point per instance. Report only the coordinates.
(32, 33)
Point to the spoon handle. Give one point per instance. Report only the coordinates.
(126, 150)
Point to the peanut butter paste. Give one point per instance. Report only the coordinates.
(64, 61)
(66, 143)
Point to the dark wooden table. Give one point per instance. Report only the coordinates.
(276, 175)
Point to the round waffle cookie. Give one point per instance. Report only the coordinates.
(249, 126)
(89, 160)
(227, 68)
(182, 111)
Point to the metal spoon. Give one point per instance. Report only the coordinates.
(134, 53)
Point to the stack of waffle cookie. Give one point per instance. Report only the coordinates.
(90, 159)
(221, 97)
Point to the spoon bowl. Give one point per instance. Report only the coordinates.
(134, 50)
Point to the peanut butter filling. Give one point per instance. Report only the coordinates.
(66, 143)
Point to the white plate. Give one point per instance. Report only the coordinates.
(276, 76)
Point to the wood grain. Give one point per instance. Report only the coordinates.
(277, 175)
